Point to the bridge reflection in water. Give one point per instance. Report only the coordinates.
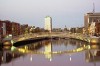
(50, 48)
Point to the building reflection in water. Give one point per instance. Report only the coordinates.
(6, 55)
(93, 55)
(48, 50)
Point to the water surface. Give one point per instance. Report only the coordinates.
(63, 52)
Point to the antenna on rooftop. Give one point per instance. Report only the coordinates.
(93, 8)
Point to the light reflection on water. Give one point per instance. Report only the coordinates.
(53, 53)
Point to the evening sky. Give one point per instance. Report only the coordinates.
(32, 12)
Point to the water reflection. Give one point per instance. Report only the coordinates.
(6, 55)
(55, 47)
(48, 50)
(51, 49)
(93, 55)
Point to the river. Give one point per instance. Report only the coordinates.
(52, 52)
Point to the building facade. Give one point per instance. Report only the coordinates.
(89, 18)
(24, 29)
(15, 29)
(1, 30)
(94, 28)
(48, 23)
(8, 27)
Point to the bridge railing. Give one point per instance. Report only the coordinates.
(46, 34)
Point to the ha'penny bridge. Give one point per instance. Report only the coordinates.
(38, 36)
(35, 37)
(31, 38)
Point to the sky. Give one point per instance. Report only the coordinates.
(32, 12)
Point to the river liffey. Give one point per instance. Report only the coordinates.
(53, 52)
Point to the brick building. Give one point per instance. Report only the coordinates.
(8, 27)
(15, 29)
(1, 30)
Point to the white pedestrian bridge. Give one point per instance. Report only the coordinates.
(51, 35)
